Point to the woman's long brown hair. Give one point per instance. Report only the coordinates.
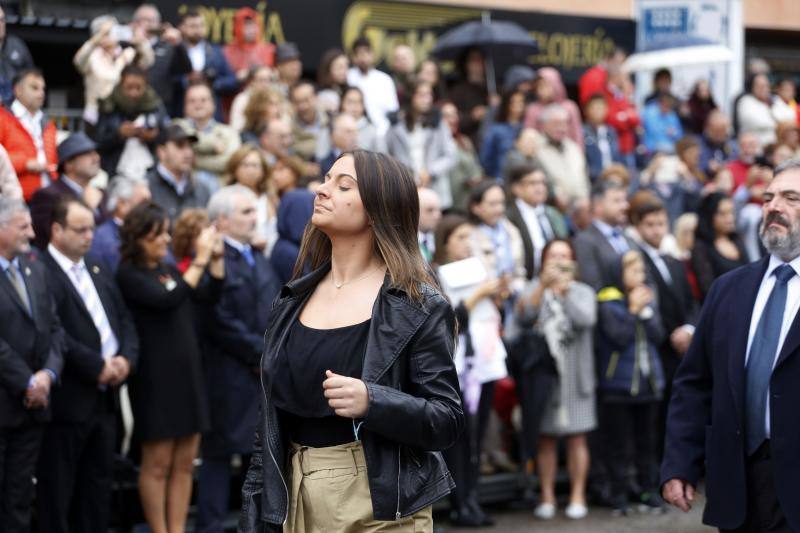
(390, 200)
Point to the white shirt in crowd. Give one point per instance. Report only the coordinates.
(197, 55)
(535, 218)
(380, 95)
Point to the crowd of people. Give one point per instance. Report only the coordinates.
(575, 239)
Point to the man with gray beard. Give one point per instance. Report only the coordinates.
(733, 412)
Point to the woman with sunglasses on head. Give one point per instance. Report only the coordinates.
(360, 391)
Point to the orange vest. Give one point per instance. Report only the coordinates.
(21, 148)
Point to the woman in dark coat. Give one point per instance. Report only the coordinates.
(167, 393)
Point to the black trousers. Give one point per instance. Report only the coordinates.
(19, 449)
(629, 433)
(764, 514)
(464, 457)
(76, 468)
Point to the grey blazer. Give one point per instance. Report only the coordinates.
(580, 306)
(440, 155)
(599, 264)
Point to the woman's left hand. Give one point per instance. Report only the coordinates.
(347, 396)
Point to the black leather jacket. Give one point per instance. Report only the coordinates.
(414, 406)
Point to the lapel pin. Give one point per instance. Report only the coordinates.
(96, 269)
(27, 271)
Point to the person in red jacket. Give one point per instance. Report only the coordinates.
(27, 135)
(248, 49)
(595, 79)
(622, 113)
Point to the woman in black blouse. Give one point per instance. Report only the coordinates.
(359, 388)
(167, 396)
(717, 247)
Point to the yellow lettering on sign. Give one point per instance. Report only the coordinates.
(220, 22)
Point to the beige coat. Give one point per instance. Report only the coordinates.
(206, 149)
(565, 167)
(101, 70)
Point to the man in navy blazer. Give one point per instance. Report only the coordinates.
(733, 412)
(31, 360)
(237, 325)
(76, 465)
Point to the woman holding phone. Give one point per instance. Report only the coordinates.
(360, 392)
(564, 312)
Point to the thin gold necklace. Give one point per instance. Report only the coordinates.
(342, 284)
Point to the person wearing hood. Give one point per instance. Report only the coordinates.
(248, 49)
(130, 119)
(550, 89)
(295, 211)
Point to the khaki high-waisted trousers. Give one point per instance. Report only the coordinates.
(329, 492)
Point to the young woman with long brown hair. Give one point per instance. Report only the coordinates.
(359, 388)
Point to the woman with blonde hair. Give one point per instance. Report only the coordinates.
(247, 166)
(264, 104)
(101, 60)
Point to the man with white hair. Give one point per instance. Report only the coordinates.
(31, 360)
(561, 157)
(237, 327)
(430, 213)
(122, 196)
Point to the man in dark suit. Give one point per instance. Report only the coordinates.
(238, 323)
(599, 248)
(733, 412)
(31, 342)
(677, 307)
(537, 222)
(78, 163)
(77, 459)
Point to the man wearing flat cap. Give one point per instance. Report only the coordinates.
(78, 164)
(171, 183)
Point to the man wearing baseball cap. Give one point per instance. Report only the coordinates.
(78, 164)
(171, 183)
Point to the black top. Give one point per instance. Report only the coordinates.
(297, 383)
(168, 393)
(709, 264)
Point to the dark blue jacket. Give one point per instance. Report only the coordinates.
(617, 335)
(219, 75)
(105, 246)
(705, 425)
(499, 140)
(721, 153)
(295, 211)
(236, 334)
(594, 157)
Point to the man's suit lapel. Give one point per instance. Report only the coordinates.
(739, 329)
(6, 284)
(57, 271)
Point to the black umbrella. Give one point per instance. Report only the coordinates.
(491, 36)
